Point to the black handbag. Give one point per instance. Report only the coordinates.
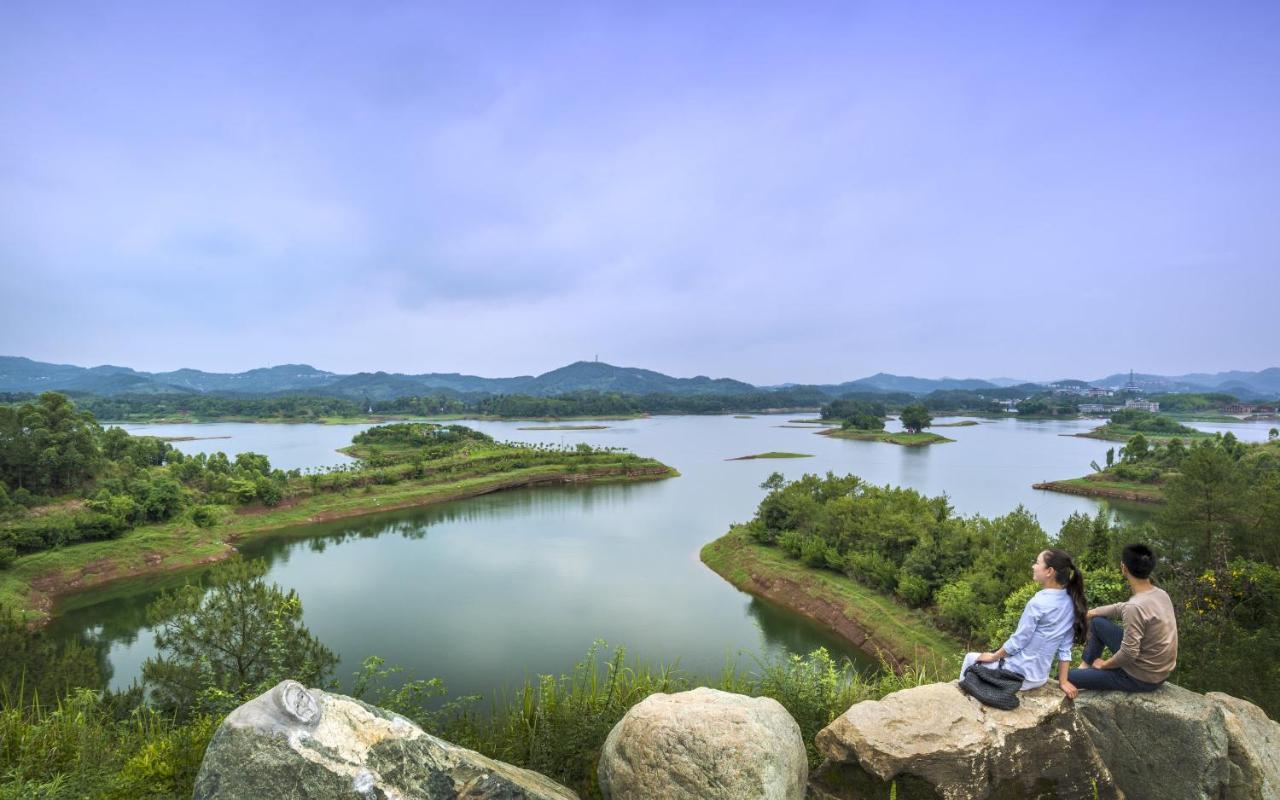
(992, 686)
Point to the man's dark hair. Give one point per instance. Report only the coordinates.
(1139, 560)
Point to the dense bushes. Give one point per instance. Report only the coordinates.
(900, 541)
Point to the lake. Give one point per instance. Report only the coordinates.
(484, 592)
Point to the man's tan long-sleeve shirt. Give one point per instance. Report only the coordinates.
(1149, 650)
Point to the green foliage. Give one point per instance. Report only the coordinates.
(857, 414)
(1133, 419)
(916, 418)
(35, 666)
(221, 646)
(48, 446)
(1093, 542)
(83, 746)
(557, 725)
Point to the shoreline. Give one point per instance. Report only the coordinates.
(1102, 490)
(868, 620)
(43, 580)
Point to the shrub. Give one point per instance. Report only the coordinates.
(913, 589)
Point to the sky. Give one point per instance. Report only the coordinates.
(799, 192)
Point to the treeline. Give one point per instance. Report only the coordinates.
(305, 407)
(107, 482)
(903, 543)
(1218, 537)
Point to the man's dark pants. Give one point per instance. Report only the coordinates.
(1105, 633)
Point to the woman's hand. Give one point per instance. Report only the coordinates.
(987, 658)
(1069, 689)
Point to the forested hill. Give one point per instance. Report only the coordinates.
(23, 375)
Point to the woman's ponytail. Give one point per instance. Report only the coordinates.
(1068, 574)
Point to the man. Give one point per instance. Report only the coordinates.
(1145, 650)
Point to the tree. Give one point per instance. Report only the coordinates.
(1202, 506)
(219, 647)
(915, 418)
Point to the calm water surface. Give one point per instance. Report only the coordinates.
(487, 591)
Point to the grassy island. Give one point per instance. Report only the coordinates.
(964, 423)
(1146, 466)
(892, 437)
(771, 454)
(564, 428)
(1127, 423)
(151, 510)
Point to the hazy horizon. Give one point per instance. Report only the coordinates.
(810, 194)
(705, 373)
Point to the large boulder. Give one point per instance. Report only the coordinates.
(934, 741)
(703, 745)
(1253, 747)
(1168, 743)
(294, 742)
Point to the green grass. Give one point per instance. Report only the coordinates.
(964, 423)
(907, 633)
(564, 428)
(892, 437)
(32, 582)
(1114, 433)
(771, 454)
(1093, 486)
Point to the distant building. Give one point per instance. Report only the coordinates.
(1239, 408)
(1143, 405)
(1099, 391)
(1094, 408)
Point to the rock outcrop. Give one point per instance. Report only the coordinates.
(935, 742)
(294, 742)
(704, 745)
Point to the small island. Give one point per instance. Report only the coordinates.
(864, 422)
(564, 428)
(1142, 470)
(771, 454)
(1127, 423)
(964, 423)
(904, 438)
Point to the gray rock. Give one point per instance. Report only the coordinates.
(703, 745)
(935, 741)
(1163, 744)
(294, 742)
(1253, 747)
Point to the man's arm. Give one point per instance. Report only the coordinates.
(1130, 645)
(1108, 612)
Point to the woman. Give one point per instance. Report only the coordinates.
(1053, 619)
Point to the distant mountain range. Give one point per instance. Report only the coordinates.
(19, 374)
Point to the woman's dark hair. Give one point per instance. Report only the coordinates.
(1139, 560)
(1068, 574)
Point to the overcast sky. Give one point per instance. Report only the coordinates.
(772, 192)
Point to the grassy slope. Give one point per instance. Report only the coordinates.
(34, 581)
(892, 437)
(908, 634)
(771, 454)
